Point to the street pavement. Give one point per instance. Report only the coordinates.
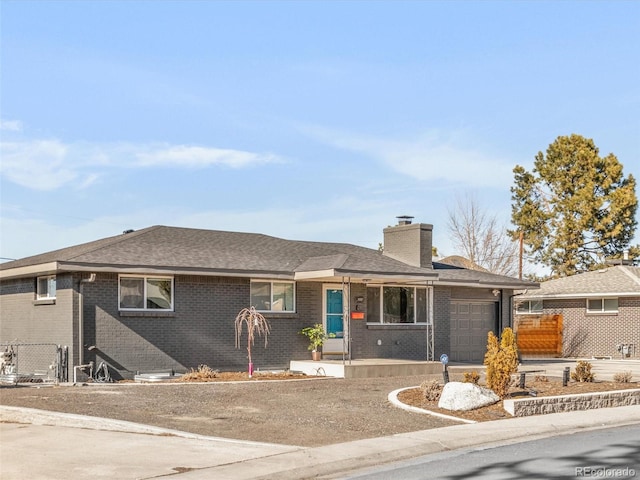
(35, 444)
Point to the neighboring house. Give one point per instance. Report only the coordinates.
(166, 298)
(462, 262)
(599, 311)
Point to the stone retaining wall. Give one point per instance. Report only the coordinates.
(567, 403)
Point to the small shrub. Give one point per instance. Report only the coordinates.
(431, 390)
(501, 361)
(623, 377)
(202, 374)
(582, 373)
(471, 377)
(541, 378)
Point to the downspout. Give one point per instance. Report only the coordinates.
(91, 279)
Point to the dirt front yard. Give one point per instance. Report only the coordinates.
(309, 412)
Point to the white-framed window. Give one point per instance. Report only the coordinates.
(529, 306)
(140, 292)
(602, 305)
(46, 287)
(397, 305)
(268, 296)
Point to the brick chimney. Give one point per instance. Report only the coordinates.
(410, 243)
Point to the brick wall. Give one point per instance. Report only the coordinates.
(199, 331)
(201, 328)
(23, 320)
(586, 335)
(442, 320)
(410, 244)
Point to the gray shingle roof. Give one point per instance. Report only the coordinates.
(186, 249)
(461, 262)
(451, 273)
(619, 280)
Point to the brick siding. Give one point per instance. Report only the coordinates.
(586, 335)
(200, 330)
(442, 321)
(23, 320)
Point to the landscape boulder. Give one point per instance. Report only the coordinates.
(465, 396)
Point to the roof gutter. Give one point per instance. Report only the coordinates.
(365, 277)
(30, 270)
(574, 296)
(146, 270)
(479, 283)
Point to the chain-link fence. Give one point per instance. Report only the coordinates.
(33, 363)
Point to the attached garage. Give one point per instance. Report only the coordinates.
(471, 321)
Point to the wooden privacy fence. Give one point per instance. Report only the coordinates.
(539, 336)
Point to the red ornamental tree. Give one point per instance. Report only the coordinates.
(256, 324)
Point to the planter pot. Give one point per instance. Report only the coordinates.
(316, 356)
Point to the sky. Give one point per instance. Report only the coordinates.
(304, 120)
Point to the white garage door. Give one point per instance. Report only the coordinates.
(470, 324)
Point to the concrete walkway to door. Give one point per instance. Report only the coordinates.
(365, 368)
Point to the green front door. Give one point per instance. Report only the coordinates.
(333, 320)
(334, 313)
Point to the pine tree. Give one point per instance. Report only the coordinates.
(576, 208)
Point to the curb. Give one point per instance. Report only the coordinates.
(393, 399)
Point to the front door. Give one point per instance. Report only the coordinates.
(333, 320)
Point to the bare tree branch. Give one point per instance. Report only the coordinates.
(480, 237)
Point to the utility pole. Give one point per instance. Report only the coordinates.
(521, 252)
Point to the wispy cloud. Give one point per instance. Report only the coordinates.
(430, 156)
(39, 164)
(51, 164)
(11, 125)
(199, 157)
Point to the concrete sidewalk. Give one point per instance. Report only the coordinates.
(52, 446)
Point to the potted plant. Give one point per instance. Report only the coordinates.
(316, 336)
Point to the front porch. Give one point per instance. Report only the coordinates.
(373, 367)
